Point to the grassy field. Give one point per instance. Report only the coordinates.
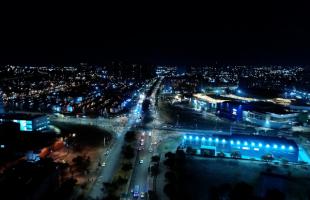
(86, 135)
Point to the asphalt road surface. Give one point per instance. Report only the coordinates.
(113, 158)
(141, 175)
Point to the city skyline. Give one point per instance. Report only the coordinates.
(156, 104)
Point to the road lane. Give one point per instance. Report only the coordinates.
(141, 174)
(106, 173)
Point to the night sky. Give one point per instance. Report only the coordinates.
(261, 35)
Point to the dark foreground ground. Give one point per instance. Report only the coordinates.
(216, 178)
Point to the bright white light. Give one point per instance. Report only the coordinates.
(246, 143)
(234, 111)
(260, 145)
(185, 137)
(223, 141)
(267, 145)
(291, 148)
(238, 142)
(275, 146)
(190, 137)
(197, 138)
(231, 142)
(216, 140)
(282, 147)
(210, 139)
(203, 138)
(252, 144)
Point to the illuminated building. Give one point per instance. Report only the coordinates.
(265, 114)
(248, 146)
(269, 115)
(1, 103)
(207, 102)
(26, 122)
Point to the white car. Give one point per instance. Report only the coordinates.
(142, 195)
(103, 164)
(141, 161)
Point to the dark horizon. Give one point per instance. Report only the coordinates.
(275, 35)
(157, 56)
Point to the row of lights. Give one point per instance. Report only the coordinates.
(238, 142)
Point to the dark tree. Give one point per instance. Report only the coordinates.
(169, 155)
(154, 170)
(169, 163)
(121, 181)
(81, 163)
(190, 150)
(242, 191)
(180, 154)
(267, 158)
(127, 166)
(152, 195)
(170, 176)
(214, 193)
(130, 136)
(155, 158)
(145, 105)
(274, 194)
(170, 190)
(128, 152)
(66, 189)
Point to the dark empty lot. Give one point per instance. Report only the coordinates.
(206, 176)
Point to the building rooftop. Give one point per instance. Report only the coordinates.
(300, 103)
(267, 107)
(261, 107)
(264, 139)
(243, 139)
(19, 116)
(209, 98)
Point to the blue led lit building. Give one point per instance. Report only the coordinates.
(263, 114)
(249, 146)
(26, 122)
(1, 103)
(231, 110)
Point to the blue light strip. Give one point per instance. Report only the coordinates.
(232, 142)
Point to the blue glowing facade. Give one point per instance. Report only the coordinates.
(27, 123)
(1, 103)
(263, 114)
(229, 110)
(247, 145)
